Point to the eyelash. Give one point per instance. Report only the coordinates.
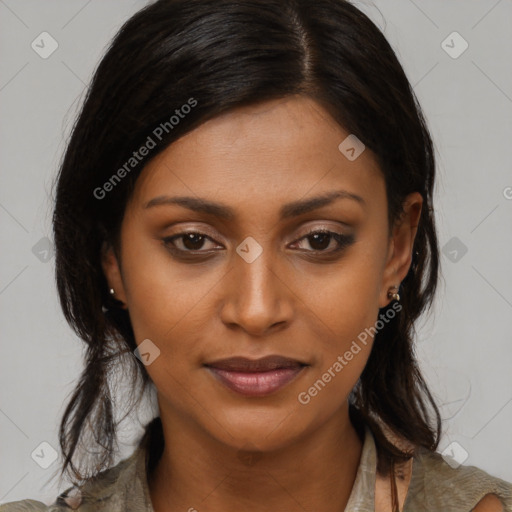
(343, 242)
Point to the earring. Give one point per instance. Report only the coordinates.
(112, 292)
(394, 295)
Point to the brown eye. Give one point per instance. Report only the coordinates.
(193, 241)
(321, 240)
(190, 241)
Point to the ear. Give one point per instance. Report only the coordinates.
(400, 247)
(112, 271)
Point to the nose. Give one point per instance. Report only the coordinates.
(256, 296)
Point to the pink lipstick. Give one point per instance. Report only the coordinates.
(256, 377)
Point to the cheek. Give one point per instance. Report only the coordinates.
(168, 306)
(164, 297)
(345, 313)
(344, 342)
(343, 306)
(345, 300)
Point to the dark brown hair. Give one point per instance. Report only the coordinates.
(226, 54)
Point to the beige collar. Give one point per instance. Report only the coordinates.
(372, 492)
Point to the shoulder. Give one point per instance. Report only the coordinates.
(441, 484)
(117, 489)
(491, 503)
(24, 506)
(110, 490)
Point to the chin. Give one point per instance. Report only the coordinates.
(258, 431)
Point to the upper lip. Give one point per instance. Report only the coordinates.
(242, 364)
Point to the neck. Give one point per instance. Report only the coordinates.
(197, 472)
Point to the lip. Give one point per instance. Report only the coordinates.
(256, 377)
(263, 364)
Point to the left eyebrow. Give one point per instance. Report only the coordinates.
(223, 211)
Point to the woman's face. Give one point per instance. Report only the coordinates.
(253, 283)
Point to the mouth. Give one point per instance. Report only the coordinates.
(256, 377)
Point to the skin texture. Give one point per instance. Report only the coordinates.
(289, 301)
(490, 503)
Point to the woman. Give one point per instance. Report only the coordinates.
(244, 218)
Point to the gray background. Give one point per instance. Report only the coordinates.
(465, 346)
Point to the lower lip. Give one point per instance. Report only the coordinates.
(256, 383)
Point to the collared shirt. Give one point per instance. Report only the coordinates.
(434, 486)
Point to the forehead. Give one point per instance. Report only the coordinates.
(275, 151)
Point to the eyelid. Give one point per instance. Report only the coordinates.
(304, 231)
(327, 225)
(168, 240)
(342, 241)
(313, 228)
